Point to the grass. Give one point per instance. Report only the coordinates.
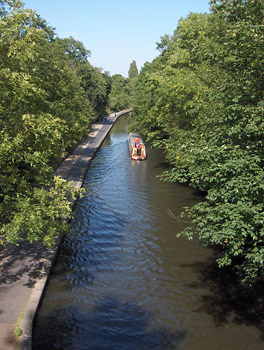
(18, 329)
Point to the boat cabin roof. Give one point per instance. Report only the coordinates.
(135, 138)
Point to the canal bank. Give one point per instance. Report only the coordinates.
(123, 280)
(24, 270)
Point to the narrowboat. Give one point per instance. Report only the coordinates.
(136, 147)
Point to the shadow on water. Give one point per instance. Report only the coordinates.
(123, 281)
(228, 301)
(111, 324)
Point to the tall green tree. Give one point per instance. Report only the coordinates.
(43, 111)
(92, 80)
(74, 49)
(95, 87)
(133, 70)
(202, 100)
(119, 94)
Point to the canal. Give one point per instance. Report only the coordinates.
(123, 281)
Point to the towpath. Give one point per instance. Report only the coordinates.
(24, 270)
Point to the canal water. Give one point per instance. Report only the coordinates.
(123, 281)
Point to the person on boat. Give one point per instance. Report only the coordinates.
(138, 149)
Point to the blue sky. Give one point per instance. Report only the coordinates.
(116, 31)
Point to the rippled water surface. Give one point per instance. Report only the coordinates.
(124, 281)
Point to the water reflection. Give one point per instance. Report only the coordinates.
(228, 301)
(123, 280)
(107, 324)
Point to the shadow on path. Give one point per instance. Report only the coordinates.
(22, 262)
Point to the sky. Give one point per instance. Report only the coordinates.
(116, 31)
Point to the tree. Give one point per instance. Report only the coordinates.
(43, 111)
(133, 71)
(119, 94)
(95, 87)
(202, 100)
(74, 49)
(92, 80)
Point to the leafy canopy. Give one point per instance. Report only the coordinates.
(133, 70)
(202, 101)
(43, 112)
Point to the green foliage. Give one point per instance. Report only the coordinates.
(202, 100)
(38, 213)
(122, 89)
(133, 70)
(93, 82)
(95, 87)
(18, 330)
(119, 94)
(74, 49)
(43, 111)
